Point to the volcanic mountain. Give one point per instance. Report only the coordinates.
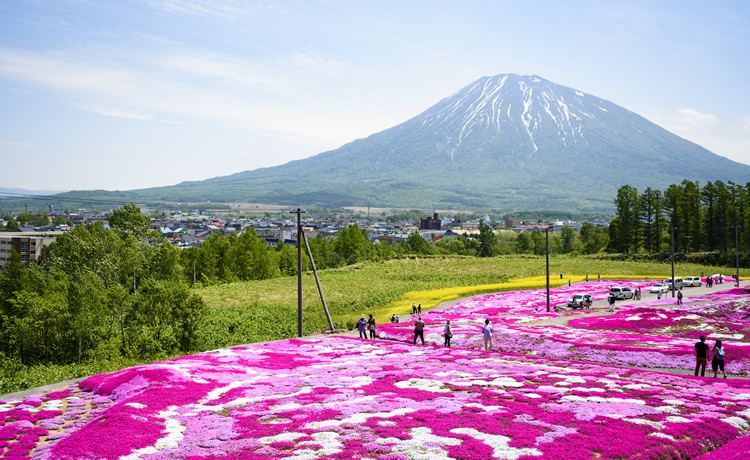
(505, 143)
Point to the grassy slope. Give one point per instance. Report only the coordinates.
(384, 288)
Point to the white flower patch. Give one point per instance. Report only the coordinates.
(485, 408)
(359, 418)
(667, 410)
(552, 389)
(569, 378)
(704, 327)
(633, 318)
(737, 422)
(174, 435)
(589, 390)
(458, 373)
(573, 398)
(642, 421)
(387, 423)
(327, 439)
(135, 405)
(690, 316)
(506, 382)
(662, 435)
(675, 402)
(718, 335)
(532, 395)
(677, 419)
(661, 315)
(416, 446)
(286, 436)
(498, 443)
(637, 386)
(285, 407)
(434, 386)
(354, 382)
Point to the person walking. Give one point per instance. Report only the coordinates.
(611, 300)
(419, 309)
(419, 329)
(487, 331)
(718, 361)
(371, 327)
(447, 333)
(701, 356)
(362, 326)
(413, 309)
(679, 297)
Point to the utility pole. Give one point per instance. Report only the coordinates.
(546, 237)
(299, 270)
(672, 253)
(737, 255)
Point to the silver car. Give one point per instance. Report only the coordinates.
(621, 293)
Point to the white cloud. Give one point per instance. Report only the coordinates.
(14, 143)
(118, 113)
(692, 119)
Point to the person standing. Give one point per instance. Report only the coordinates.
(419, 309)
(487, 331)
(371, 326)
(419, 329)
(447, 333)
(701, 356)
(611, 300)
(718, 361)
(361, 327)
(413, 309)
(679, 297)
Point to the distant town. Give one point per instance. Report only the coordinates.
(29, 234)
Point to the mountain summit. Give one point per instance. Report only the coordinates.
(506, 142)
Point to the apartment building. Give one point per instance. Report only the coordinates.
(28, 244)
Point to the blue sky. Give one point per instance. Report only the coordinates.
(140, 93)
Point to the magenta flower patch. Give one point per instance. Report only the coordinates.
(349, 398)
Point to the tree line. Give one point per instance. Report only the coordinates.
(712, 218)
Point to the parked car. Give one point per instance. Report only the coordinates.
(621, 293)
(659, 287)
(692, 281)
(677, 283)
(575, 301)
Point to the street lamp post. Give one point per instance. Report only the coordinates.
(299, 213)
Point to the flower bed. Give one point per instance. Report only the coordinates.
(350, 398)
(655, 334)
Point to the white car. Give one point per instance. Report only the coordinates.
(692, 281)
(659, 287)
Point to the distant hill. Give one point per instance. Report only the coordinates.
(504, 143)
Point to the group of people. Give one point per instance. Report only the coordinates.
(702, 354)
(395, 318)
(416, 309)
(366, 325)
(718, 279)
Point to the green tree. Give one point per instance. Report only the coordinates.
(487, 241)
(626, 203)
(353, 244)
(130, 220)
(12, 223)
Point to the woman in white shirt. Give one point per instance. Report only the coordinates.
(718, 361)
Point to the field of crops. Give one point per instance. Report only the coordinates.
(388, 287)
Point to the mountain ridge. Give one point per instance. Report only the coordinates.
(505, 142)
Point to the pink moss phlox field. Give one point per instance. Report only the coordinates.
(349, 398)
(656, 333)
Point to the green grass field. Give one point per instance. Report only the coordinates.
(384, 288)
